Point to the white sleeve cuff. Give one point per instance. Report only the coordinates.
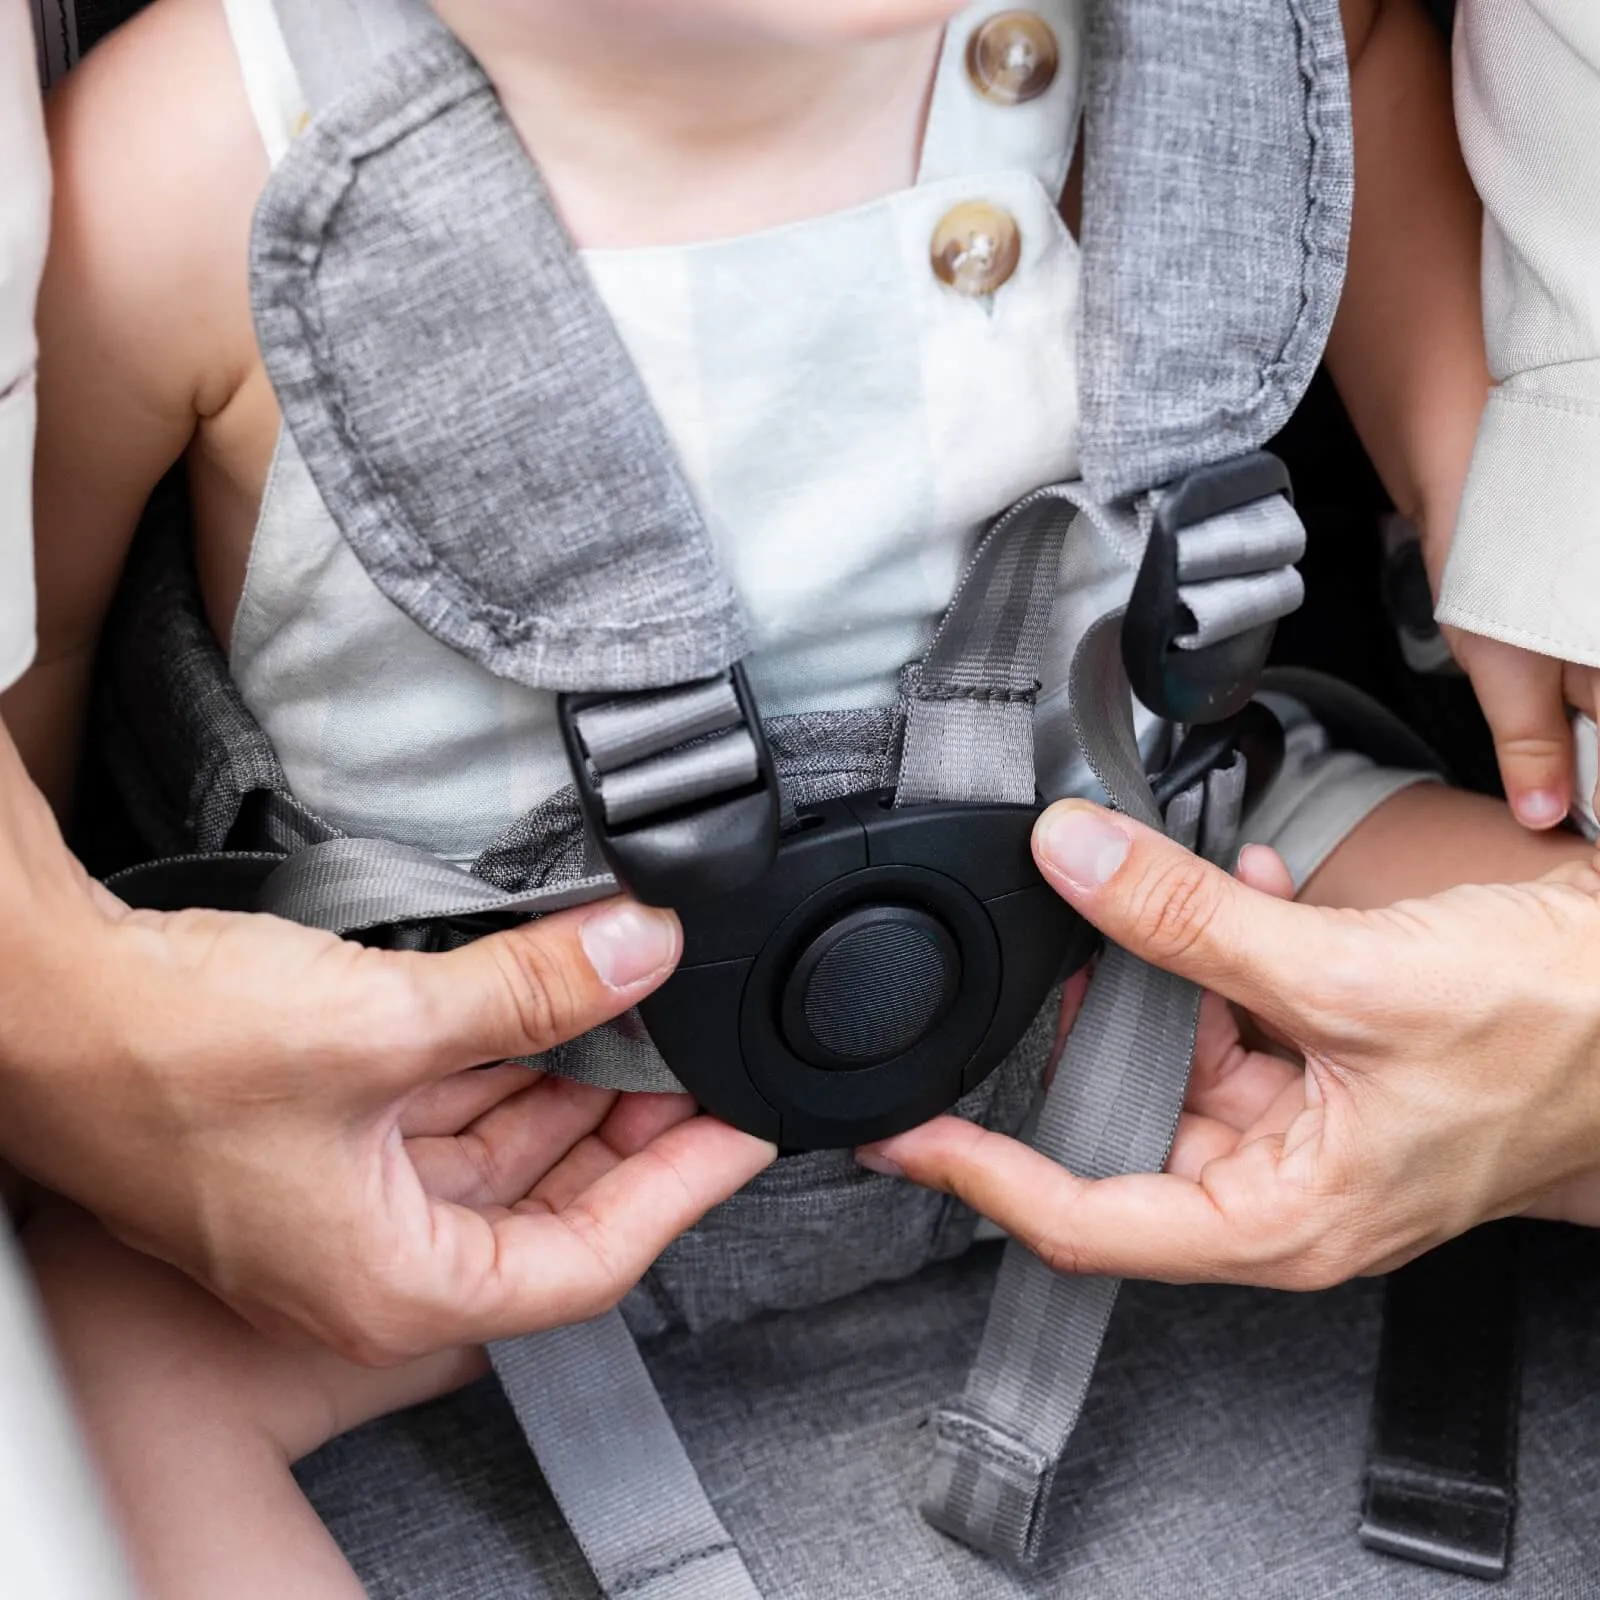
(1525, 563)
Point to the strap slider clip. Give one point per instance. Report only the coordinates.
(677, 786)
(1211, 683)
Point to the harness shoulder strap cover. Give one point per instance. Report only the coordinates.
(517, 495)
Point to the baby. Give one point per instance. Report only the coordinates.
(757, 164)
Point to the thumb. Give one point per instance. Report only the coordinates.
(1520, 693)
(523, 992)
(1174, 910)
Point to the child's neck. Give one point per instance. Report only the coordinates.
(655, 132)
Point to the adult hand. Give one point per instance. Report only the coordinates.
(1451, 1074)
(284, 1115)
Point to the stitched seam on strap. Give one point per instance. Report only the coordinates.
(1011, 697)
(989, 1443)
(646, 1575)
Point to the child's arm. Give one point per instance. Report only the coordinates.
(1406, 350)
(1525, 563)
(140, 321)
(1407, 354)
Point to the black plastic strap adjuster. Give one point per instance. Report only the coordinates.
(1213, 683)
(677, 786)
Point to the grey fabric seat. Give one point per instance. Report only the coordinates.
(1219, 1454)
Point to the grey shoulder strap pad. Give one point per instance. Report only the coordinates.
(451, 377)
(1217, 194)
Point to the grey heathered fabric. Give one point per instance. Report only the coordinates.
(462, 400)
(185, 753)
(1217, 192)
(1219, 1455)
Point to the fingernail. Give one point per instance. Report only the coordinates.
(874, 1161)
(1082, 845)
(628, 943)
(1540, 808)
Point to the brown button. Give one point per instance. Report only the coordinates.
(976, 248)
(1013, 57)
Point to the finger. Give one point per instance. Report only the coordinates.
(637, 1119)
(1231, 1084)
(1168, 906)
(1520, 694)
(449, 1106)
(1198, 1142)
(522, 992)
(1146, 1225)
(502, 1155)
(635, 1122)
(1261, 868)
(554, 1269)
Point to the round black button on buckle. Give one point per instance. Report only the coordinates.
(870, 986)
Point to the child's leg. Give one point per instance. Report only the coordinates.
(1428, 838)
(195, 1419)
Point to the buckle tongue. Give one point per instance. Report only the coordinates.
(677, 786)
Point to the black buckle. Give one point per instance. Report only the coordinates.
(1254, 733)
(1195, 686)
(697, 844)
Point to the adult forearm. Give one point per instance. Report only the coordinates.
(51, 928)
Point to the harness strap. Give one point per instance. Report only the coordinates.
(1112, 1108)
(615, 1464)
(969, 722)
(619, 1473)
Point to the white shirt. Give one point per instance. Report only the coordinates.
(24, 220)
(1525, 566)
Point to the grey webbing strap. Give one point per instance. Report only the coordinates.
(1112, 1108)
(616, 1466)
(353, 885)
(1236, 571)
(969, 721)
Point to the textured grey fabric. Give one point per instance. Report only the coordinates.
(516, 495)
(969, 724)
(1219, 1455)
(617, 1469)
(189, 761)
(1217, 193)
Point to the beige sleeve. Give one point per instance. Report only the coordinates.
(24, 218)
(1525, 565)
